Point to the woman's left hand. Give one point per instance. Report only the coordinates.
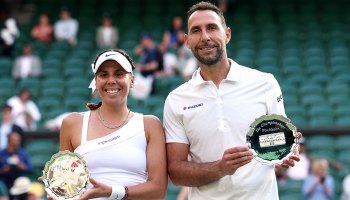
(98, 190)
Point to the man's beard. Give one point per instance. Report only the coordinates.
(209, 60)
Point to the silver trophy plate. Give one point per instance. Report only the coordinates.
(272, 138)
(65, 176)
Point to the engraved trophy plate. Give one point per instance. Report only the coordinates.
(65, 176)
(272, 138)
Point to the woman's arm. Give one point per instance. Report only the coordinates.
(156, 185)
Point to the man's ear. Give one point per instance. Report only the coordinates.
(228, 35)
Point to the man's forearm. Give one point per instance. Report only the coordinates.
(194, 174)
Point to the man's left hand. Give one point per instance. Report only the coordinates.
(290, 161)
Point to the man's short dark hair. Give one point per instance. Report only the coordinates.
(203, 5)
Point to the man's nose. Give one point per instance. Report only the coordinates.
(205, 36)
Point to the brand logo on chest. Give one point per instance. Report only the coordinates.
(193, 106)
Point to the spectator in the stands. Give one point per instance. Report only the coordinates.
(14, 161)
(26, 65)
(167, 61)
(8, 32)
(25, 189)
(25, 112)
(107, 35)
(149, 55)
(346, 185)
(187, 63)
(66, 28)
(151, 60)
(302, 168)
(55, 123)
(319, 185)
(170, 37)
(36, 191)
(20, 188)
(42, 31)
(7, 126)
(225, 4)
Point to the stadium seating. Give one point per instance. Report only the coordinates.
(75, 103)
(5, 66)
(33, 84)
(154, 102)
(6, 89)
(47, 104)
(320, 142)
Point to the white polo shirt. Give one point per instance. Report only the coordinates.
(211, 120)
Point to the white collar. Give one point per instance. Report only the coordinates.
(234, 74)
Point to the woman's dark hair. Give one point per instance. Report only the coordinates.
(94, 106)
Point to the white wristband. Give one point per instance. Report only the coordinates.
(118, 193)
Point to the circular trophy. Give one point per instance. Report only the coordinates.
(272, 138)
(65, 176)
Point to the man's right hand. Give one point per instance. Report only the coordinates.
(235, 158)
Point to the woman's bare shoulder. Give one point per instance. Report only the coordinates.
(153, 126)
(73, 118)
(151, 119)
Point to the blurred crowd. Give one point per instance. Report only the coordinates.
(154, 59)
(312, 174)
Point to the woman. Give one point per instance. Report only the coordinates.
(319, 185)
(171, 36)
(124, 150)
(42, 32)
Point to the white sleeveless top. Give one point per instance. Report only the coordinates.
(118, 158)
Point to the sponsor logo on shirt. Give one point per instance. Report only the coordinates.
(193, 106)
(109, 140)
(279, 98)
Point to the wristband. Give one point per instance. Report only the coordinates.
(126, 192)
(118, 193)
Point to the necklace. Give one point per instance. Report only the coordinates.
(109, 125)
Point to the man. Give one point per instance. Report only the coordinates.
(66, 28)
(26, 65)
(7, 126)
(149, 56)
(207, 118)
(14, 161)
(25, 112)
(151, 62)
(301, 169)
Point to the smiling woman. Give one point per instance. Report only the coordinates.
(125, 150)
(114, 58)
